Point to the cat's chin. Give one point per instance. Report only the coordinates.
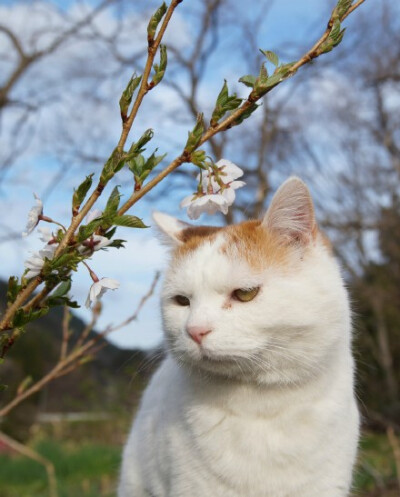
(220, 365)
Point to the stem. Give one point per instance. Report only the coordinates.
(228, 121)
(21, 298)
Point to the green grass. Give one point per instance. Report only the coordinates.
(376, 467)
(90, 469)
(87, 470)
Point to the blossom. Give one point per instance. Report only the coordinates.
(93, 214)
(95, 242)
(35, 263)
(210, 204)
(228, 170)
(216, 192)
(46, 234)
(34, 216)
(98, 289)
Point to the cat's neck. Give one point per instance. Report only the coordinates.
(263, 398)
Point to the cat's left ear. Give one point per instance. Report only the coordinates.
(291, 213)
(170, 227)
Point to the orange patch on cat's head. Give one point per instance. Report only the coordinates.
(251, 242)
(194, 236)
(248, 241)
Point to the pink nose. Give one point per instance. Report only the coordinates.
(197, 333)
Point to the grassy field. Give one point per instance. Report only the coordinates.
(90, 469)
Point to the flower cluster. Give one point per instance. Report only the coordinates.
(216, 191)
(34, 264)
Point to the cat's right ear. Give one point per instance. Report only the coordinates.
(170, 228)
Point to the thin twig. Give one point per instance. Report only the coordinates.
(69, 361)
(28, 452)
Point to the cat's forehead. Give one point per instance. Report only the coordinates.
(247, 241)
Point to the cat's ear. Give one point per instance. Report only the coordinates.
(291, 213)
(170, 228)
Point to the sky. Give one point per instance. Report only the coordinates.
(95, 129)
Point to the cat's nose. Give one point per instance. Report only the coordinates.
(197, 333)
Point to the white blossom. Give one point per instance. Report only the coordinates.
(210, 204)
(228, 170)
(93, 214)
(34, 216)
(95, 242)
(35, 263)
(217, 193)
(46, 234)
(98, 289)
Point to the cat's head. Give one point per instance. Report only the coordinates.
(261, 300)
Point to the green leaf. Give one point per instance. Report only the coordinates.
(271, 56)
(224, 104)
(198, 158)
(262, 86)
(263, 76)
(195, 135)
(63, 288)
(153, 161)
(13, 289)
(80, 193)
(117, 243)
(248, 80)
(342, 7)
(1, 360)
(127, 94)
(129, 221)
(87, 230)
(110, 233)
(335, 32)
(155, 21)
(68, 261)
(247, 113)
(138, 147)
(112, 204)
(339, 37)
(21, 318)
(115, 162)
(56, 301)
(160, 69)
(3, 387)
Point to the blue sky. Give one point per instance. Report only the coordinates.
(289, 24)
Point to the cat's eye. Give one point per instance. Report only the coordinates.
(181, 300)
(245, 294)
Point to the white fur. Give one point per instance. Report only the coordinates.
(265, 407)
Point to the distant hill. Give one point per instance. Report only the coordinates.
(112, 381)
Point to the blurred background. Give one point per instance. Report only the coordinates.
(336, 124)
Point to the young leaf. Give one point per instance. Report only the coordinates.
(224, 104)
(198, 158)
(114, 164)
(160, 69)
(271, 56)
(88, 230)
(129, 221)
(80, 193)
(248, 80)
(155, 21)
(13, 289)
(195, 135)
(112, 204)
(63, 288)
(138, 147)
(127, 95)
(247, 113)
(117, 243)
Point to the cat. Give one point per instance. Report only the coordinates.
(255, 397)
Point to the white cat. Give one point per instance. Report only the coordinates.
(255, 397)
